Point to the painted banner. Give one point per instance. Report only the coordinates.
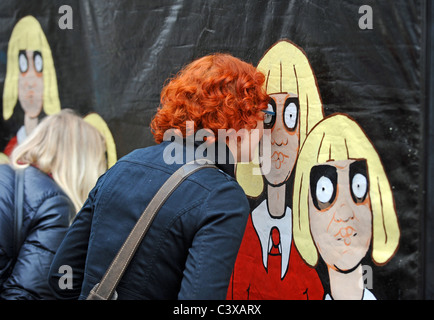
(341, 210)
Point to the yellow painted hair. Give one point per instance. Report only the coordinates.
(287, 70)
(336, 138)
(98, 122)
(3, 158)
(28, 35)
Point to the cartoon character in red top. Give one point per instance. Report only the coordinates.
(31, 80)
(268, 266)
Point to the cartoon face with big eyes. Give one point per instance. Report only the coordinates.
(282, 118)
(30, 76)
(340, 213)
(343, 205)
(30, 82)
(294, 108)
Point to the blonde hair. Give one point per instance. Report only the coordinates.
(336, 138)
(287, 70)
(28, 35)
(69, 149)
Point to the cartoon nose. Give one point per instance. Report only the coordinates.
(30, 81)
(276, 130)
(344, 212)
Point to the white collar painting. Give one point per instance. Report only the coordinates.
(273, 233)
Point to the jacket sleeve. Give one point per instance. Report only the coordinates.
(28, 280)
(215, 246)
(67, 269)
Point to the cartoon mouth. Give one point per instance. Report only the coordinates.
(346, 234)
(279, 144)
(278, 158)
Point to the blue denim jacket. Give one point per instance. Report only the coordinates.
(188, 252)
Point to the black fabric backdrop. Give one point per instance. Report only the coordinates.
(429, 142)
(119, 53)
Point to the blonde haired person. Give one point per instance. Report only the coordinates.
(30, 77)
(342, 205)
(60, 161)
(70, 150)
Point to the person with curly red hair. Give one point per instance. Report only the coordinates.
(217, 93)
(190, 249)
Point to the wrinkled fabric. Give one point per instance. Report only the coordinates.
(119, 54)
(190, 248)
(46, 215)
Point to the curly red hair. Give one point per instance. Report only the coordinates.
(217, 91)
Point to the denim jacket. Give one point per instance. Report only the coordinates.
(189, 250)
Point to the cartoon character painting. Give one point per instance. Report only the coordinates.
(268, 266)
(30, 77)
(31, 80)
(342, 205)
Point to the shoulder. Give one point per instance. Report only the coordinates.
(7, 175)
(42, 195)
(225, 195)
(40, 190)
(40, 184)
(145, 169)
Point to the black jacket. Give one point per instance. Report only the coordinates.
(46, 216)
(189, 250)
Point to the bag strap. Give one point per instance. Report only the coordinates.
(106, 288)
(18, 214)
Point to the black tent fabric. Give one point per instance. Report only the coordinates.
(118, 54)
(429, 152)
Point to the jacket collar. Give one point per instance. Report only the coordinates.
(222, 157)
(217, 152)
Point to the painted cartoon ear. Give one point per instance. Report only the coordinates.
(249, 177)
(95, 120)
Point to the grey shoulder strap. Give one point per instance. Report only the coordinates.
(105, 290)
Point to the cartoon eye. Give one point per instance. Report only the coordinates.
(22, 62)
(269, 114)
(359, 186)
(359, 181)
(324, 190)
(291, 115)
(323, 186)
(37, 60)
